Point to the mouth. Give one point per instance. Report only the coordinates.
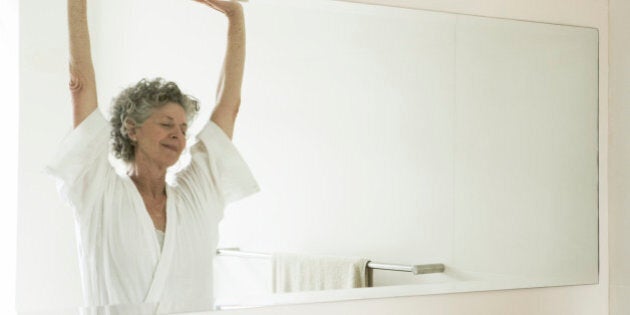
(171, 147)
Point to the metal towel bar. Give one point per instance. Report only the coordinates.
(414, 269)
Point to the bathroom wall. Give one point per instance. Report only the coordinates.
(8, 194)
(46, 278)
(587, 300)
(591, 299)
(619, 197)
(391, 159)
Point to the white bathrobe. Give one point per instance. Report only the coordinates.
(120, 257)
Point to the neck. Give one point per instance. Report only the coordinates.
(149, 181)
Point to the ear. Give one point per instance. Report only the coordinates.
(130, 125)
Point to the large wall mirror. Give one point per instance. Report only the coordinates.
(406, 137)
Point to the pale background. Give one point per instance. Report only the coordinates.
(418, 137)
(9, 88)
(570, 300)
(395, 164)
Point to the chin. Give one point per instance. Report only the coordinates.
(171, 162)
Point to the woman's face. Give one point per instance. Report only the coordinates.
(162, 137)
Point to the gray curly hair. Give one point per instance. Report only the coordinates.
(136, 103)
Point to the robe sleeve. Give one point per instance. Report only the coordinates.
(217, 169)
(81, 165)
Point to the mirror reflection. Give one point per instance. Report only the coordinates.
(382, 151)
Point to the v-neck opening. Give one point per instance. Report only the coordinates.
(165, 253)
(148, 221)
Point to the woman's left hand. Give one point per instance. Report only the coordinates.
(228, 7)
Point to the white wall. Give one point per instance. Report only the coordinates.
(43, 101)
(619, 157)
(525, 151)
(590, 299)
(339, 151)
(570, 300)
(398, 158)
(9, 70)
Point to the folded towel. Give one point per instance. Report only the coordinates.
(295, 272)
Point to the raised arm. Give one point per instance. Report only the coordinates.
(82, 78)
(228, 95)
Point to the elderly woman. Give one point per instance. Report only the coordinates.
(142, 240)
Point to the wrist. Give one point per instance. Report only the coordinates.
(236, 12)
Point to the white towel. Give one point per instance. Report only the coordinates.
(295, 272)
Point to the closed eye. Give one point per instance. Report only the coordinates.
(184, 127)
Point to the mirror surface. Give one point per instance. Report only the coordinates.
(402, 136)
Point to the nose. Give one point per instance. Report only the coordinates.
(177, 134)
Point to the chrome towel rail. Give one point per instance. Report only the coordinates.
(414, 269)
